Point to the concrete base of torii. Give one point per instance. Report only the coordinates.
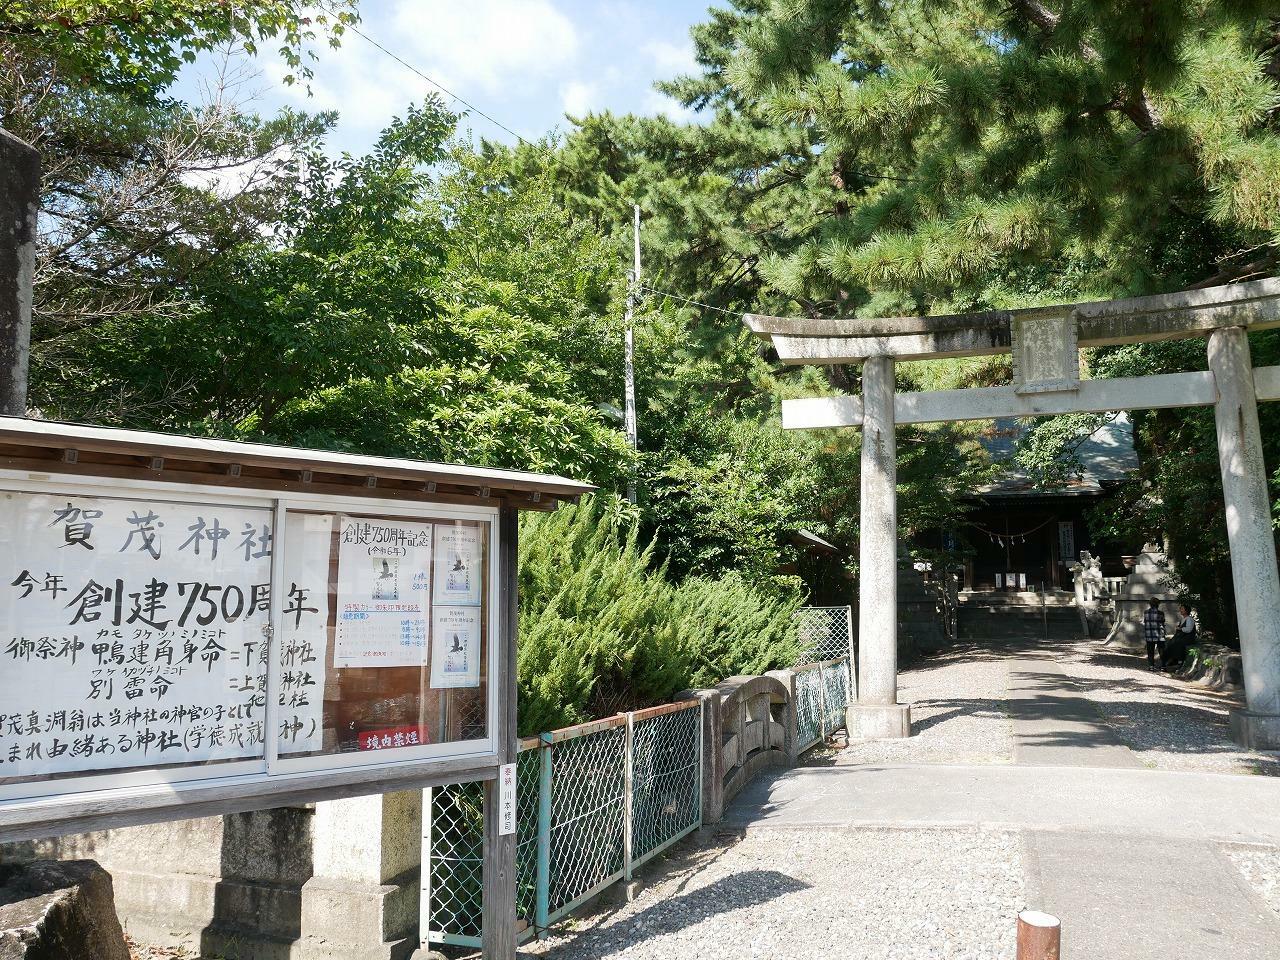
(1256, 731)
(878, 721)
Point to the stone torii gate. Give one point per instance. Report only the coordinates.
(1045, 343)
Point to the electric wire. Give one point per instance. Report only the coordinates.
(693, 303)
(439, 86)
(528, 143)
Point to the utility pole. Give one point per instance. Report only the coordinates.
(629, 342)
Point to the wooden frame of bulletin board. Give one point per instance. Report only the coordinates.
(197, 627)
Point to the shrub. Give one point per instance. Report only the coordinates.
(602, 629)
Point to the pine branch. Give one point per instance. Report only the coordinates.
(1253, 270)
(1137, 106)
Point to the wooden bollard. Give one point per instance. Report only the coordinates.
(1039, 936)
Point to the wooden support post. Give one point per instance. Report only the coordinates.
(499, 912)
(1039, 936)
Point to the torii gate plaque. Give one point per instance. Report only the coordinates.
(1045, 342)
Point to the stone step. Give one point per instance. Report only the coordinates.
(1025, 599)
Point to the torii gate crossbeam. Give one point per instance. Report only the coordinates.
(1045, 344)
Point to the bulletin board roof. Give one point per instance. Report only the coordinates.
(78, 449)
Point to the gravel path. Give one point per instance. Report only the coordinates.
(1170, 724)
(1261, 868)
(959, 712)
(940, 894)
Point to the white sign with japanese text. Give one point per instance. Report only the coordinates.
(1066, 542)
(384, 591)
(455, 647)
(458, 558)
(304, 630)
(507, 799)
(133, 632)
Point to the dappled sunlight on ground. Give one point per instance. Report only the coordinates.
(961, 709)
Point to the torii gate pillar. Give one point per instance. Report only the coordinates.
(1251, 538)
(877, 713)
(1045, 342)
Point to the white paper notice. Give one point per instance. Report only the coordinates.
(384, 582)
(455, 647)
(132, 632)
(458, 557)
(304, 630)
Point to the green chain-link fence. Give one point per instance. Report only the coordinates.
(824, 633)
(822, 694)
(593, 801)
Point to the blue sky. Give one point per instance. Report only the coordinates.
(525, 62)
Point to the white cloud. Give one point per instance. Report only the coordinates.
(659, 104)
(578, 97)
(671, 59)
(366, 87)
(485, 45)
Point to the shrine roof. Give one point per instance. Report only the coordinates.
(1107, 457)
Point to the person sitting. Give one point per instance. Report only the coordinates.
(1153, 631)
(1184, 634)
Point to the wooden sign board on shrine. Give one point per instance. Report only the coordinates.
(198, 627)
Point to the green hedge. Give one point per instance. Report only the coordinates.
(602, 629)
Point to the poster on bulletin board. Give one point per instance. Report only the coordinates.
(384, 580)
(457, 565)
(455, 647)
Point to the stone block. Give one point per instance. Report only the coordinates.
(59, 910)
(1256, 731)
(268, 846)
(342, 911)
(878, 721)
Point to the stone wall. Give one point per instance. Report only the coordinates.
(921, 624)
(330, 880)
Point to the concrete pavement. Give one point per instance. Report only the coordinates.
(1135, 861)
(1055, 726)
(1123, 802)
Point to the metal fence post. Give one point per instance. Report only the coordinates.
(627, 784)
(702, 707)
(853, 654)
(542, 876)
(428, 856)
(822, 706)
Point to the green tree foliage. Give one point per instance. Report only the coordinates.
(602, 628)
(139, 45)
(868, 158)
(1013, 135)
(139, 191)
(479, 323)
